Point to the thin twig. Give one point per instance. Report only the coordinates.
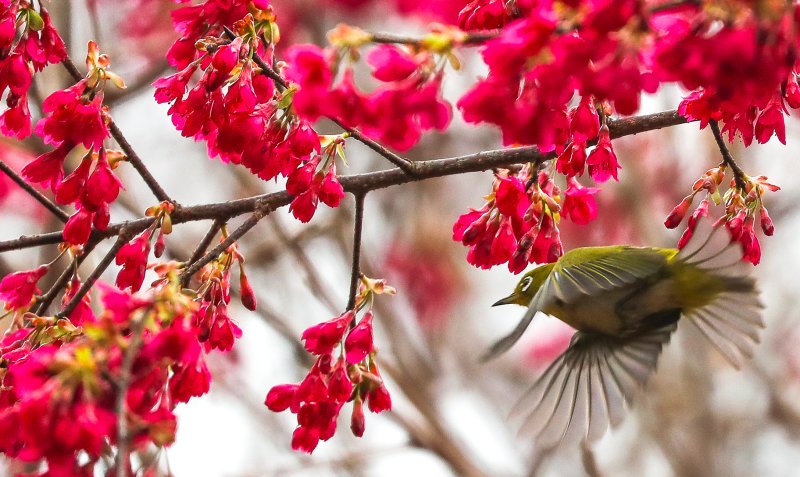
(312, 275)
(355, 270)
(261, 211)
(469, 40)
(47, 203)
(404, 164)
(738, 174)
(62, 280)
(266, 69)
(203, 245)
(366, 182)
(87, 285)
(126, 147)
(122, 459)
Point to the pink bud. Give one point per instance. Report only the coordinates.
(678, 213)
(357, 422)
(246, 291)
(766, 222)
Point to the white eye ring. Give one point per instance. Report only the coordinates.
(526, 283)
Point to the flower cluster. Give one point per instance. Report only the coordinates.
(484, 15)
(245, 120)
(743, 201)
(519, 222)
(21, 55)
(534, 73)
(334, 380)
(61, 377)
(133, 255)
(406, 104)
(215, 328)
(74, 117)
(741, 70)
(205, 19)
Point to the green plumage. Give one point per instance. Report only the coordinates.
(625, 302)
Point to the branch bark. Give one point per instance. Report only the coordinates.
(362, 183)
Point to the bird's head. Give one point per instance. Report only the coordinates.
(527, 286)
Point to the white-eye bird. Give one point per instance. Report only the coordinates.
(625, 303)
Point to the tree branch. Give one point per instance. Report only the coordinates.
(62, 280)
(470, 39)
(262, 209)
(126, 147)
(355, 270)
(47, 203)
(366, 182)
(122, 459)
(738, 174)
(124, 235)
(206, 241)
(404, 164)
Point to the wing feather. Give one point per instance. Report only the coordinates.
(587, 388)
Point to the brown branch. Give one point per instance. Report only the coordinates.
(739, 175)
(62, 281)
(262, 209)
(205, 242)
(47, 203)
(266, 68)
(366, 182)
(471, 39)
(122, 459)
(126, 147)
(355, 270)
(404, 164)
(122, 239)
(319, 291)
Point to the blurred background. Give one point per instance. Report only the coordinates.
(699, 417)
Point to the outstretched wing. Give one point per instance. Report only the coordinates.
(585, 272)
(588, 388)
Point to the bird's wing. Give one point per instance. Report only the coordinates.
(589, 386)
(599, 272)
(732, 321)
(594, 273)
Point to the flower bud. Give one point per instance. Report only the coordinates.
(678, 213)
(357, 418)
(766, 222)
(246, 291)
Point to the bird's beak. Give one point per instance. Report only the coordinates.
(509, 300)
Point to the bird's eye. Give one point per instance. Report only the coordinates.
(526, 283)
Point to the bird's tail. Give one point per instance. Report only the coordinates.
(732, 320)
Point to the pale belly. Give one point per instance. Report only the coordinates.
(615, 312)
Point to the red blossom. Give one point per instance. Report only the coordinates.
(133, 259)
(320, 339)
(579, 203)
(602, 162)
(73, 119)
(359, 341)
(584, 122)
(17, 289)
(390, 63)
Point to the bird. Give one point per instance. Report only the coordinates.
(625, 302)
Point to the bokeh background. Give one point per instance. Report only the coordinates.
(699, 417)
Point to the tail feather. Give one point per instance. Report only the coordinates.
(732, 321)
